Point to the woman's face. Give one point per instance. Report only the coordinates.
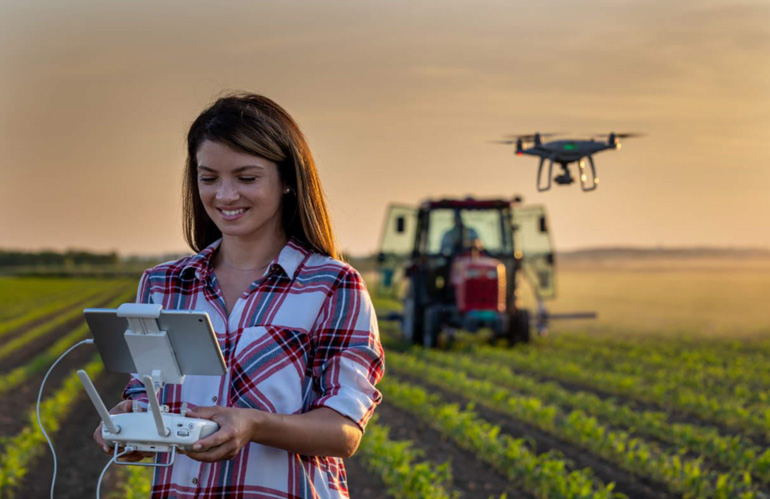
(241, 193)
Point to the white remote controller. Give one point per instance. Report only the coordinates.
(152, 431)
(138, 429)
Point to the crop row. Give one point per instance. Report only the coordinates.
(17, 376)
(20, 295)
(721, 410)
(9, 347)
(397, 464)
(47, 306)
(734, 452)
(711, 350)
(543, 475)
(19, 452)
(737, 376)
(682, 475)
(714, 355)
(133, 482)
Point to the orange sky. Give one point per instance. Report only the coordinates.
(398, 100)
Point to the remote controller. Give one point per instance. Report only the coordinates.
(138, 429)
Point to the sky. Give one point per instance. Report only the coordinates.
(399, 101)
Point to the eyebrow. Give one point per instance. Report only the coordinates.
(236, 170)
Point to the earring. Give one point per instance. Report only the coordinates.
(286, 191)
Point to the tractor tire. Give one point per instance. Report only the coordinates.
(518, 327)
(412, 324)
(432, 326)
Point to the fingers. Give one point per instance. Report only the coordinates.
(204, 412)
(214, 440)
(121, 407)
(226, 451)
(97, 436)
(134, 456)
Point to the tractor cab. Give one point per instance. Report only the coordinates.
(455, 264)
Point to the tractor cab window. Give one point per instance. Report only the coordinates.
(450, 230)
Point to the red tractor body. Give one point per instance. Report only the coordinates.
(479, 284)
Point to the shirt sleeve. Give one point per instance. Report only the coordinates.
(349, 359)
(135, 388)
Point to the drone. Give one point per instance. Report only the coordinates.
(565, 152)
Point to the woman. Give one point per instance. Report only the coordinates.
(295, 325)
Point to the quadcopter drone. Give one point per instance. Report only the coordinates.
(565, 152)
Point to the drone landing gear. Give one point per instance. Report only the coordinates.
(584, 183)
(587, 182)
(540, 186)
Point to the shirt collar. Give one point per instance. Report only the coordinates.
(289, 259)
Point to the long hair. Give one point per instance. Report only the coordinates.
(256, 125)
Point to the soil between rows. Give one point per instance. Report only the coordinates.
(633, 486)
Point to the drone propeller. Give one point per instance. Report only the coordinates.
(528, 137)
(626, 135)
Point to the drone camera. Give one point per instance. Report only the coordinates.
(564, 179)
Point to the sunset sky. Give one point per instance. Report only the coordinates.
(399, 101)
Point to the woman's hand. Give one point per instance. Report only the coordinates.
(320, 432)
(236, 429)
(122, 407)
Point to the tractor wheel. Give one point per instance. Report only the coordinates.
(432, 325)
(518, 327)
(412, 325)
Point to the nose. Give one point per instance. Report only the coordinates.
(227, 192)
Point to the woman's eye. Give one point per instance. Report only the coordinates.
(207, 180)
(247, 180)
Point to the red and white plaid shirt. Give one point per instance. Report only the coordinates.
(302, 336)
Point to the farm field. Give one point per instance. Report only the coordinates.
(666, 395)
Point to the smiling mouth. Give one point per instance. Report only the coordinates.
(232, 213)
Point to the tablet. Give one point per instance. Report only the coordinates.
(189, 331)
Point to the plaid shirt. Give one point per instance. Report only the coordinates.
(302, 336)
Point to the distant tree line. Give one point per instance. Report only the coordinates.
(67, 258)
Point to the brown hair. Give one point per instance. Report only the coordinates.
(256, 125)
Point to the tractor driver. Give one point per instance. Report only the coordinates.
(459, 238)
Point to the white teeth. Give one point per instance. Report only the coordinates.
(231, 213)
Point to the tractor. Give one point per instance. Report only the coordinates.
(457, 264)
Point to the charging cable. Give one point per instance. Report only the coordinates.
(37, 410)
(129, 449)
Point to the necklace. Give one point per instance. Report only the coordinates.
(254, 269)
